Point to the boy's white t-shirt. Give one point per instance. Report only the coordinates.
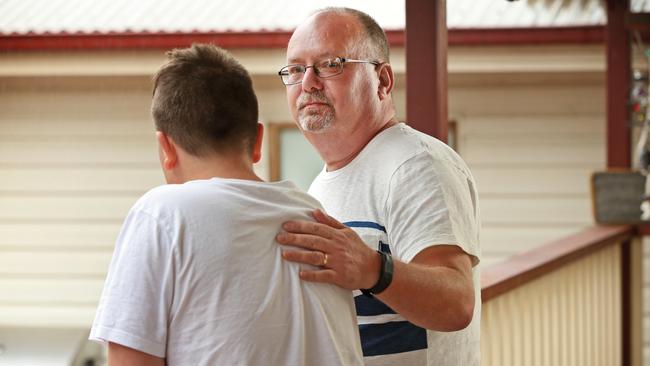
(197, 278)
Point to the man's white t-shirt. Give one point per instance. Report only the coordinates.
(403, 193)
(197, 277)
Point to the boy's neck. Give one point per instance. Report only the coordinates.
(214, 166)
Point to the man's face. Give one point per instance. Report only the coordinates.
(339, 102)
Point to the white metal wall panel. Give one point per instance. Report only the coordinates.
(532, 147)
(569, 317)
(75, 155)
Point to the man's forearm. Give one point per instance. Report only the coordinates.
(119, 355)
(433, 297)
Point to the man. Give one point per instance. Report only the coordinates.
(408, 204)
(196, 277)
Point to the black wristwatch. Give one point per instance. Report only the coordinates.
(385, 275)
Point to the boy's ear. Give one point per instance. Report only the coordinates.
(257, 148)
(168, 153)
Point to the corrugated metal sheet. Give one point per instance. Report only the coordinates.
(173, 16)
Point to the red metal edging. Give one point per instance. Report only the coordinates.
(142, 41)
(525, 267)
(397, 38)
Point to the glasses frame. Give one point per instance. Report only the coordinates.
(342, 60)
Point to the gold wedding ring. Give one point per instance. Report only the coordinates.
(324, 260)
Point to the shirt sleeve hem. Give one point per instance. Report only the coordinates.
(451, 240)
(105, 334)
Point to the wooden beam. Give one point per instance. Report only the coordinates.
(634, 293)
(626, 302)
(637, 21)
(525, 267)
(526, 36)
(617, 43)
(426, 66)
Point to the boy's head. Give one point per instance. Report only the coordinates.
(203, 99)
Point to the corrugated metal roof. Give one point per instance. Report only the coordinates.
(174, 16)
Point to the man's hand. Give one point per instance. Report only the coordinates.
(344, 258)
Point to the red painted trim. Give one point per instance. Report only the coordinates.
(397, 38)
(618, 84)
(637, 21)
(619, 55)
(522, 36)
(523, 268)
(626, 302)
(426, 67)
(643, 229)
(143, 41)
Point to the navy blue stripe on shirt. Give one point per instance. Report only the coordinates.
(392, 337)
(370, 306)
(368, 224)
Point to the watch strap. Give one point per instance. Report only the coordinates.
(385, 275)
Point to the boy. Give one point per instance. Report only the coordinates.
(196, 277)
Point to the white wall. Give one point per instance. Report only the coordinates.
(74, 155)
(532, 147)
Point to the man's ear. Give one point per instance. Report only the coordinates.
(386, 80)
(168, 153)
(257, 148)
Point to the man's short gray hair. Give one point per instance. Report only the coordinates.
(375, 44)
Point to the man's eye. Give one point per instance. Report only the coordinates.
(295, 69)
(330, 64)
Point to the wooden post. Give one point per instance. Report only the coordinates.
(617, 42)
(632, 301)
(426, 66)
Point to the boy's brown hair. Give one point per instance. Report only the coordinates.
(203, 99)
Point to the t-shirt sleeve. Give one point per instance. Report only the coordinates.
(134, 307)
(431, 202)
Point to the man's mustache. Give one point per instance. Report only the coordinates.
(317, 96)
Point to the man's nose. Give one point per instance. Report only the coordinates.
(311, 81)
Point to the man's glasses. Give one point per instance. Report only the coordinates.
(293, 74)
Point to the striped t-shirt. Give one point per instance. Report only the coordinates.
(403, 193)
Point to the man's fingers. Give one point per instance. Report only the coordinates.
(326, 219)
(308, 227)
(306, 241)
(325, 275)
(314, 258)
